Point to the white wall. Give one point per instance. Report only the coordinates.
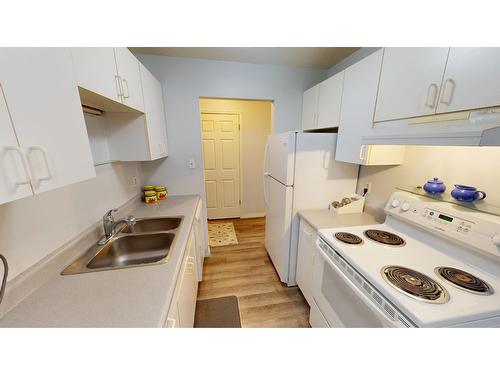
(31, 228)
(184, 81)
(476, 166)
(255, 126)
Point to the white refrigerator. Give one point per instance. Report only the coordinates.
(300, 172)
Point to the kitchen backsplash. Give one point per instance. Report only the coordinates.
(476, 166)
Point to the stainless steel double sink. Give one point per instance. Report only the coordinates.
(149, 241)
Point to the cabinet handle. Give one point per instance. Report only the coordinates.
(119, 85)
(171, 323)
(48, 169)
(431, 103)
(452, 91)
(126, 85)
(27, 174)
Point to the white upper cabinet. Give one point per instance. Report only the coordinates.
(356, 119)
(410, 82)
(15, 180)
(471, 80)
(130, 78)
(321, 103)
(330, 99)
(40, 90)
(96, 71)
(155, 114)
(310, 108)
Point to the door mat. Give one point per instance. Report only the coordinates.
(221, 234)
(220, 312)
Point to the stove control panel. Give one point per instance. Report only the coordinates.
(470, 228)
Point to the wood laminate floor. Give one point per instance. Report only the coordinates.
(245, 270)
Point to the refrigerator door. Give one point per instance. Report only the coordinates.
(279, 157)
(278, 219)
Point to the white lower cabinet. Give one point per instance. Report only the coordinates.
(183, 304)
(305, 259)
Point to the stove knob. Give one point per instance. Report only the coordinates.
(405, 206)
(496, 239)
(395, 203)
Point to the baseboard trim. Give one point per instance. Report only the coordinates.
(252, 216)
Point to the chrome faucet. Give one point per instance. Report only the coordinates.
(109, 224)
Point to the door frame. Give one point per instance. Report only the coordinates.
(240, 165)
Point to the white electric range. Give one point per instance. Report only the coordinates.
(430, 264)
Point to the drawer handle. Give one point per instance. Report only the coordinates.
(452, 91)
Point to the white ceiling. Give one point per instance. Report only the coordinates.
(305, 57)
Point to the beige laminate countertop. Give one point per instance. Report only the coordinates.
(133, 297)
(320, 219)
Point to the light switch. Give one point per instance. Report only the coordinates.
(191, 164)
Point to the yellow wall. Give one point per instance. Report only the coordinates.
(256, 125)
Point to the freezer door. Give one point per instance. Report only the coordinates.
(279, 157)
(278, 219)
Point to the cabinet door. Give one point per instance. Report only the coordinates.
(96, 71)
(305, 259)
(15, 179)
(128, 69)
(471, 80)
(330, 99)
(40, 88)
(409, 82)
(310, 108)
(189, 287)
(155, 114)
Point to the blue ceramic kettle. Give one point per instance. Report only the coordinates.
(434, 186)
(466, 193)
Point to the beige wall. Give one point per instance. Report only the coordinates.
(476, 166)
(31, 228)
(255, 122)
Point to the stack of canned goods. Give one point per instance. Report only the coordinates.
(152, 193)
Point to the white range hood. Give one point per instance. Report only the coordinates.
(470, 128)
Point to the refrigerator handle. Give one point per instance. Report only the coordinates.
(266, 174)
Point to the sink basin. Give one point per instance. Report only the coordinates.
(157, 224)
(148, 242)
(132, 250)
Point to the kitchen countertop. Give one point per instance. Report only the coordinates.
(320, 219)
(133, 297)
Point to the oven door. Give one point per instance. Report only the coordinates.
(340, 301)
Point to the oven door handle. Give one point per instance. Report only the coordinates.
(358, 292)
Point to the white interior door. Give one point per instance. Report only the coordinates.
(409, 82)
(14, 173)
(221, 160)
(471, 79)
(40, 89)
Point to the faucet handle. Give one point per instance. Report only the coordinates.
(109, 214)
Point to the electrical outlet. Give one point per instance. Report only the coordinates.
(134, 181)
(191, 164)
